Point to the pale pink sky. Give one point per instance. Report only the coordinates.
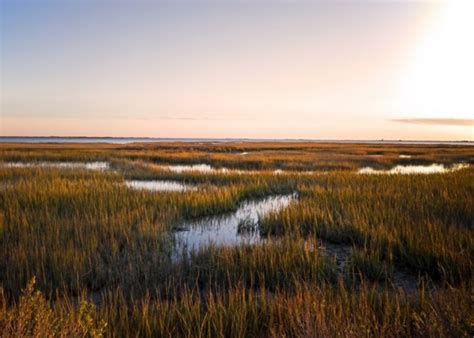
(323, 70)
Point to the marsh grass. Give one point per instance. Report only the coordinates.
(247, 226)
(260, 155)
(273, 265)
(85, 235)
(34, 316)
(427, 229)
(307, 310)
(368, 265)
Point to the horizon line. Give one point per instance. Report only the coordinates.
(234, 139)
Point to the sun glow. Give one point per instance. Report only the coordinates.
(439, 82)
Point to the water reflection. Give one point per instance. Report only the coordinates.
(97, 165)
(180, 168)
(206, 168)
(415, 169)
(159, 185)
(223, 230)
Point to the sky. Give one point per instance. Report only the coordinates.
(258, 69)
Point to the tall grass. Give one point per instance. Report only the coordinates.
(423, 222)
(83, 235)
(263, 155)
(306, 311)
(77, 228)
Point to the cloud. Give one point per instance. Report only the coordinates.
(434, 121)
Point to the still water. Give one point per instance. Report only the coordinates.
(62, 165)
(223, 230)
(159, 185)
(415, 169)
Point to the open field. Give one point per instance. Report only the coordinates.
(247, 155)
(349, 255)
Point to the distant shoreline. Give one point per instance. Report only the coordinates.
(124, 140)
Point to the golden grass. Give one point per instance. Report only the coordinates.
(80, 232)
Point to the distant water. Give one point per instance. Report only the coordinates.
(203, 168)
(159, 185)
(117, 140)
(123, 140)
(415, 169)
(61, 165)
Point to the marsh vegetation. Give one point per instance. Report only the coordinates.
(317, 250)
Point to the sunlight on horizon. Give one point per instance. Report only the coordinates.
(440, 80)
